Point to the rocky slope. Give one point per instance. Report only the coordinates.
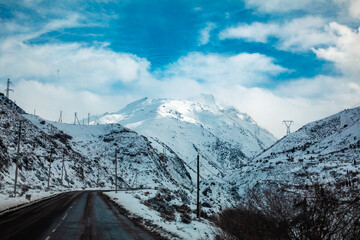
(37, 150)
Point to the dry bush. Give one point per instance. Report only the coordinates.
(160, 204)
(315, 212)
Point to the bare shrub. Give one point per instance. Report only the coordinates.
(159, 203)
(314, 212)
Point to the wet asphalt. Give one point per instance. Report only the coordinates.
(70, 216)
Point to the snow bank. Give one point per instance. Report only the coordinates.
(133, 202)
(8, 203)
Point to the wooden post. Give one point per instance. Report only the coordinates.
(62, 168)
(17, 158)
(198, 188)
(98, 173)
(49, 174)
(116, 170)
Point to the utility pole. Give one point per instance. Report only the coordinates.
(288, 124)
(88, 118)
(83, 171)
(116, 170)
(62, 168)
(17, 157)
(98, 173)
(7, 90)
(50, 159)
(34, 112)
(135, 180)
(76, 119)
(198, 188)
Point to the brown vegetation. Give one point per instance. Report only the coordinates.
(315, 212)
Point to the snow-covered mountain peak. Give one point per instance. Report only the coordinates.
(224, 137)
(182, 110)
(205, 99)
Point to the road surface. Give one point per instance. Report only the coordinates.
(70, 216)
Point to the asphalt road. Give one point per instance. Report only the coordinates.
(70, 216)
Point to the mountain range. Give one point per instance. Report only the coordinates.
(155, 143)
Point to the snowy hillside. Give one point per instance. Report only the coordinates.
(223, 137)
(36, 150)
(139, 164)
(327, 150)
(10, 104)
(83, 157)
(82, 150)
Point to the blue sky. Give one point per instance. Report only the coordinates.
(274, 59)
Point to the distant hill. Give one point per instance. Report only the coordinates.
(327, 150)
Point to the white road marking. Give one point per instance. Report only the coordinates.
(47, 238)
(58, 224)
(65, 216)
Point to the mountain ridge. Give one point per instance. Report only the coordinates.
(326, 150)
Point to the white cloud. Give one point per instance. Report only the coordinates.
(309, 6)
(299, 34)
(80, 66)
(278, 5)
(94, 68)
(257, 32)
(346, 51)
(48, 99)
(244, 68)
(205, 33)
(348, 10)
(70, 21)
(270, 108)
(354, 8)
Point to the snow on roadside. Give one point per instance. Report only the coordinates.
(8, 203)
(133, 201)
